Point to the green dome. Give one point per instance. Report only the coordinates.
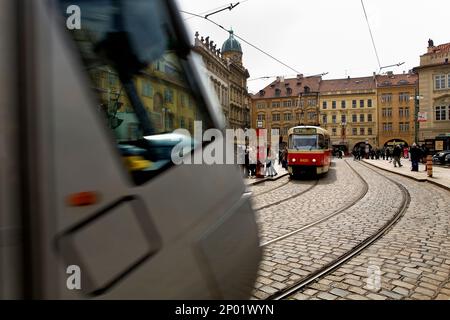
(231, 44)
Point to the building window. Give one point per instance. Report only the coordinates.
(400, 112)
(311, 115)
(370, 132)
(404, 127)
(439, 81)
(406, 112)
(369, 103)
(369, 117)
(343, 118)
(362, 131)
(361, 103)
(276, 104)
(441, 113)
(324, 119)
(147, 90)
(287, 116)
(277, 92)
(354, 104)
(287, 103)
(261, 117)
(168, 95)
(284, 131)
(354, 118)
(354, 131)
(261, 105)
(333, 131)
(333, 118)
(333, 104)
(361, 118)
(389, 112)
(311, 102)
(324, 105)
(403, 97)
(386, 97)
(276, 117)
(343, 104)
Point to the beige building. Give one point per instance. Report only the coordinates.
(348, 110)
(228, 77)
(434, 96)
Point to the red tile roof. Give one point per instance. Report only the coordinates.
(397, 80)
(440, 48)
(296, 85)
(348, 84)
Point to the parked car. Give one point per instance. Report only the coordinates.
(442, 157)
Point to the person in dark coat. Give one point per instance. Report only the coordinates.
(416, 155)
(397, 154)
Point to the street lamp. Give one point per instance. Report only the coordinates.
(416, 99)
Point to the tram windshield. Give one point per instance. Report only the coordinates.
(138, 68)
(303, 142)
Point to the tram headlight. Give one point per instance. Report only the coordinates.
(314, 160)
(294, 160)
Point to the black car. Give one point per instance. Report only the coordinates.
(442, 157)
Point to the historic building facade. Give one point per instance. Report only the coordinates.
(286, 103)
(228, 77)
(349, 111)
(434, 96)
(396, 108)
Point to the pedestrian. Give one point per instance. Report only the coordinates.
(416, 155)
(396, 153)
(388, 154)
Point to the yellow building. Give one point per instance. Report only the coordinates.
(163, 92)
(396, 107)
(434, 93)
(348, 110)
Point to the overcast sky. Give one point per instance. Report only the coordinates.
(319, 36)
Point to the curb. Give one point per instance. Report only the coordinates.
(410, 177)
(267, 179)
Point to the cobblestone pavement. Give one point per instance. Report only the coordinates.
(267, 186)
(339, 188)
(292, 259)
(412, 261)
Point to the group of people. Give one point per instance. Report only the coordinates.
(252, 163)
(394, 154)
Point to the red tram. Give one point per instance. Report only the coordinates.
(309, 149)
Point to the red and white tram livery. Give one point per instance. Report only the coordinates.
(309, 149)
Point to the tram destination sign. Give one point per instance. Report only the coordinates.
(305, 131)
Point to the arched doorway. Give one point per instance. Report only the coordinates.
(393, 142)
(362, 145)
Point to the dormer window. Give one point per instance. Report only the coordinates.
(307, 89)
(262, 93)
(289, 91)
(277, 92)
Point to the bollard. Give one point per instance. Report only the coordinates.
(430, 165)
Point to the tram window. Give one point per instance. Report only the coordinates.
(321, 141)
(135, 43)
(298, 142)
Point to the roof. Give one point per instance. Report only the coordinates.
(348, 84)
(231, 44)
(406, 79)
(439, 49)
(296, 85)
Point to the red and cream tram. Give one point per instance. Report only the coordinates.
(309, 149)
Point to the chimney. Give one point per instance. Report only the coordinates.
(278, 79)
(299, 76)
(390, 74)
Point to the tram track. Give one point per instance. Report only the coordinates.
(332, 214)
(333, 265)
(254, 194)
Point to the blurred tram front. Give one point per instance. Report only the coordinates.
(309, 150)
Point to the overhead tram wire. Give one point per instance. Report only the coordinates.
(209, 12)
(371, 35)
(240, 38)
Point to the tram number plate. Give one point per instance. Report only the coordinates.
(304, 160)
